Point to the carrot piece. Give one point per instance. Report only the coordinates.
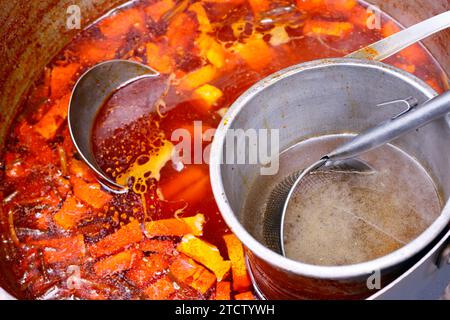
(245, 296)
(198, 77)
(202, 17)
(216, 55)
(181, 31)
(341, 5)
(223, 290)
(54, 118)
(361, 17)
(241, 281)
(203, 280)
(70, 213)
(311, 5)
(119, 262)
(256, 53)
(62, 250)
(175, 226)
(389, 28)
(90, 193)
(157, 246)
(414, 54)
(161, 289)
(98, 50)
(185, 270)
(14, 167)
(158, 9)
(147, 268)
(208, 96)
(61, 79)
(182, 181)
(327, 28)
(80, 169)
(157, 59)
(206, 254)
(125, 236)
(121, 22)
(259, 6)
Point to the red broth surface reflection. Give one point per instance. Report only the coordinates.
(65, 236)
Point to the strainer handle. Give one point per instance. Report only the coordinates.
(374, 137)
(391, 45)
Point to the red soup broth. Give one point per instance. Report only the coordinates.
(66, 237)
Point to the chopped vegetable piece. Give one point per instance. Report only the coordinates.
(341, 5)
(256, 53)
(70, 213)
(206, 254)
(181, 31)
(327, 28)
(223, 290)
(61, 79)
(414, 54)
(157, 246)
(175, 226)
(311, 5)
(241, 281)
(125, 236)
(203, 280)
(208, 94)
(202, 17)
(62, 250)
(90, 193)
(120, 23)
(185, 270)
(157, 59)
(182, 181)
(245, 296)
(14, 166)
(216, 55)
(198, 77)
(158, 9)
(148, 268)
(362, 17)
(389, 28)
(80, 169)
(119, 262)
(259, 6)
(97, 51)
(54, 118)
(161, 289)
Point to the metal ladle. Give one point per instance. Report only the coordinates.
(96, 85)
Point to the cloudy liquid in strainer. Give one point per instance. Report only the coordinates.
(344, 218)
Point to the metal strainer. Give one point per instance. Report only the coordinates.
(342, 160)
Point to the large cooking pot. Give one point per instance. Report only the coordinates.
(34, 31)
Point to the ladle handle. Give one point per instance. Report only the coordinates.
(391, 45)
(391, 129)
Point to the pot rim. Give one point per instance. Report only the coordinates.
(275, 259)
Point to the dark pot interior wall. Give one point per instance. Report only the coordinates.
(33, 32)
